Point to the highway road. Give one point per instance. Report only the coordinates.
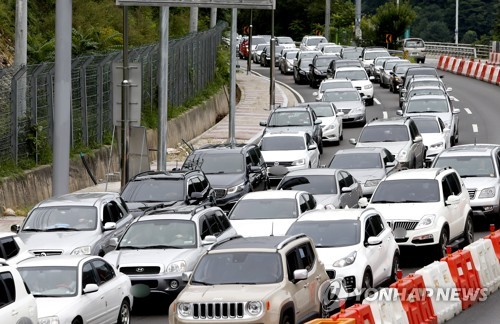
(479, 122)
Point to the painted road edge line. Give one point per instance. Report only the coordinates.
(376, 101)
(474, 128)
(468, 111)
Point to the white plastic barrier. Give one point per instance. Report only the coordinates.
(438, 279)
(486, 262)
(386, 307)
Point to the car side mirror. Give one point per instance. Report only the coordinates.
(255, 169)
(186, 276)
(346, 189)
(312, 147)
(452, 200)
(449, 89)
(390, 164)
(399, 112)
(340, 114)
(373, 240)
(446, 130)
(109, 226)
(300, 274)
(90, 288)
(15, 228)
(315, 93)
(352, 141)
(456, 111)
(417, 139)
(317, 122)
(363, 202)
(113, 242)
(196, 195)
(208, 240)
(263, 123)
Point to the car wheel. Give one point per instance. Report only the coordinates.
(336, 143)
(320, 147)
(468, 232)
(342, 135)
(394, 269)
(124, 314)
(77, 321)
(443, 243)
(367, 283)
(390, 87)
(286, 319)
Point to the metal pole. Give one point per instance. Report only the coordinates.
(163, 91)
(249, 64)
(357, 20)
(62, 102)
(125, 102)
(213, 17)
(271, 65)
(21, 49)
(327, 19)
(232, 89)
(193, 19)
(456, 22)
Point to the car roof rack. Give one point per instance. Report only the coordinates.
(224, 241)
(443, 169)
(290, 239)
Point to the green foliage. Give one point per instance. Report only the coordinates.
(392, 19)
(469, 37)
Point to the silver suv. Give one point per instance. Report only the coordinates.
(272, 279)
(479, 167)
(158, 247)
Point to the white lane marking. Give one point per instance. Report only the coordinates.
(474, 128)
(384, 113)
(468, 111)
(376, 101)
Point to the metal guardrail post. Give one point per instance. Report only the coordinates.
(83, 100)
(15, 113)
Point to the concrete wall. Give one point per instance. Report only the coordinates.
(36, 185)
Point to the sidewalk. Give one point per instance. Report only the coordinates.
(252, 108)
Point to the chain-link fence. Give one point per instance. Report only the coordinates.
(26, 126)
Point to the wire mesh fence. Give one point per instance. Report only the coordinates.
(27, 94)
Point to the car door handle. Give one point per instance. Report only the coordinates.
(318, 277)
(306, 285)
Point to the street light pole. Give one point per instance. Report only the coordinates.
(456, 22)
(271, 65)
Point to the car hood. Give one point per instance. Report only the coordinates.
(329, 255)
(360, 83)
(445, 116)
(330, 199)
(405, 211)
(362, 175)
(328, 120)
(271, 156)
(348, 104)
(290, 129)
(393, 147)
(66, 241)
(134, 206)
(225, 180)
(432, 138)
(227, 293)
(121, 258)
(480, 182)
(262, 227)
(63, 307)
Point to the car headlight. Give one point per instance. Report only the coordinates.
(368, 86)
(397, 78)
(372, 183)
(487, 193)
(184, 309)
(329, 127)
(348, 260)
(377, 69)
(426, 221)
(358, 110)
(81, 250)
(48, 320)
(437, 145)
(236, 188)
(402, 155)
(299, 162)
(177, 266)
(254, 308)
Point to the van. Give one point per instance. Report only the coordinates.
(414, 47)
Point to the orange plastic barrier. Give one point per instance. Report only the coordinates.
(330, 321)
(416, 303)
(464, 275)
(495, 239)
(360, 313)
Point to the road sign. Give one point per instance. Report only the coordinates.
(246, 30)
(247, 4)
(388, 38)
(317, 32)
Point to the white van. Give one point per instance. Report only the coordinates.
(415, 47)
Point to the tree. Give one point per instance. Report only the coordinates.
(437, 31)
(342, 21)
(392, 19)
(469, 37)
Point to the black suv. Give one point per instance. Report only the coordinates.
(152, 189)
(318, 67)
(232, 170)
(295, 119)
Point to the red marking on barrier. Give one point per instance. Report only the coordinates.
(440, 62)
(469, 69)
(460, 66)
(495, 240)
(361, 313)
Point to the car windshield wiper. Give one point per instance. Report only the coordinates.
(470, 176)
(383, 202)
(197, 282)
(61, 229)
(32, 230)
(37, 295)
(130, 247)
(237, 283)
(412, 201)
(162, 247)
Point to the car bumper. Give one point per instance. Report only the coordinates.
(288, 69)
(289, 169)
(484, 206)
(160, 283)
(353, 118)
(421, 237)
(368, 191)
(331, 134)
(267, 317)
(351, 281)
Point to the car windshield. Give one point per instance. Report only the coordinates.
(380, 60)
(314, 184)
(55, 281)
(427, 106)
(356, 161)
(374, 55)
(350, 55)
(216, 163)
(323, 62)
(258, 40)
(339, 96)
(420, 71)
(431, 91)
(384, 133)
(264, 209)
(351, 75)
(154, 190)
(285, 40)
(389, 64)
(325, 234)
(62, 218)
(469, 166)
(332, 49)
(314, 41)
(160, 234)
(290, 54)
(402, 69)
(324, 111)
(308, 55)
(282, 143)
(238, 268)
(426, 83)
(340, 64)
(260, 47)
(414, 43)
(304, 64)
(407, 191)
(290, 118)
(334, 85)
(428, 126)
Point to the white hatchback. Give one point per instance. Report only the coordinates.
(331, 120)
(359, 79)
(356, 246)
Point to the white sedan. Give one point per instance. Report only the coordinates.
(331, 120)
(436, 136)
(77, 289)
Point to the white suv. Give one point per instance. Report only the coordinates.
(360, 81)
(426, 207)
(17, 304)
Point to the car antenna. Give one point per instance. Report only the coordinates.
(272, 229)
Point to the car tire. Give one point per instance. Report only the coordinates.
(286, 319)
(468, 232)
(342, 135)
(320, 147)
(77, 321)
(444, 237)
(366, 283)
(394, 269)
(124, 313)
(336, 143)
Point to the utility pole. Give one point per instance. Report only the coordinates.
(232, 83)
(272, 68)
(327, 20)
(456, 22)
(213, 17)
(357, 20)
(193, 19)
(163, 90)
(125, 103)
(21, 49)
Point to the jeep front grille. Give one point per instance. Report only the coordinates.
(224, 311)
(406, 225)
(138, 270)
(46, 253)
(220, 193)
(271, 164)
(472, 193)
